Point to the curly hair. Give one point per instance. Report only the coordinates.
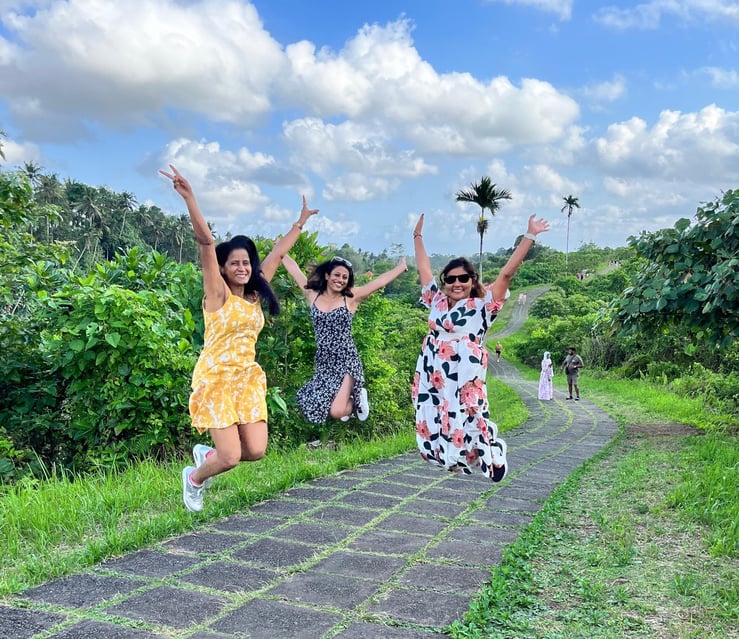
(257, 283)
(478, 290)
(317, 279)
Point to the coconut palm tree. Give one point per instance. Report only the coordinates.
(570, 204)
(486, 196)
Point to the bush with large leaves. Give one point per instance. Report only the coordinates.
(689, 278)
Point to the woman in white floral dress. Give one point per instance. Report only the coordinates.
(453, 425)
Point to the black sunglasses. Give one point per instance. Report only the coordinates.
(340, 260)
(464, 278)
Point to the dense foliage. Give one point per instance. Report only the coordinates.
(99, 331)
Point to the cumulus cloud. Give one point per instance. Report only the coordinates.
(648, 15)
(379, 75)
(18, 153)
(702, 146)
(356, 148)
(209, 57)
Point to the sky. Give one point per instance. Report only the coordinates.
(379, 111)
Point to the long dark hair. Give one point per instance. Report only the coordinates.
(478, 290)
(257, 283)
(317, 278)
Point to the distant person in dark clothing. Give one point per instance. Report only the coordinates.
(571, 365)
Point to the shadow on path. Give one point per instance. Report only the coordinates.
(393, 550)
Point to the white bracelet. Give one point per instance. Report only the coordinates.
(530, 236)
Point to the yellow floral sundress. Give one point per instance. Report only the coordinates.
(228, 386)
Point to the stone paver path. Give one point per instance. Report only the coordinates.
(392, 550)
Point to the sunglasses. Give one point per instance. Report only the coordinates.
(464, 278)
(340, 260)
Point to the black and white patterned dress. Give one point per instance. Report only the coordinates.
(336, 355)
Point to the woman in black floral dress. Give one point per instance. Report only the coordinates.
(337, 387)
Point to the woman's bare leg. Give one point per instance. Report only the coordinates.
(253, 441)
(343, 403)
(226, 455)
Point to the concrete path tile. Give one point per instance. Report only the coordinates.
(24, 624)
(150, 563)
(425, 608)
(231, 576)
(324, 589)
(378, 631)
(101, 630)
(82, 591)
(262, 619)
(167, 606)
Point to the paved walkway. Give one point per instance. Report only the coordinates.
(392, 550)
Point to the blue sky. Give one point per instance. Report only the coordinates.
(378, 111)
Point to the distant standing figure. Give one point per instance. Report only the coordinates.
(337, 386)
(498, 351)
(571, 366)
(453, 425)
(546, 390)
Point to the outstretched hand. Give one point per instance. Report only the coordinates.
(180, 184)
(401, 262)
(419, 226)
(305, 212)
(537, 226)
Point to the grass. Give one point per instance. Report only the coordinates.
(616, 553)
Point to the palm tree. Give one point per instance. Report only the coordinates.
(486, 196)
(570, 203)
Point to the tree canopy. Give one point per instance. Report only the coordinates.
(689, 276)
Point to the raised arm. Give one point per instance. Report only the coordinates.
(423, 263)
(291, 266)
(214, 287)
(381, 281)
(502, 282)
(285, 243)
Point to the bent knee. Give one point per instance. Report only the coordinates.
(253, 455)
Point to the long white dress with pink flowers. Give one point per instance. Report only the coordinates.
(453, 427)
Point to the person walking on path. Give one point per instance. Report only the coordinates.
(546, 390)
(571, 365)
(337, 387)
(453, 425)
(229, 388)
(498, 351)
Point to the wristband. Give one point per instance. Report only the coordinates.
(530, 236)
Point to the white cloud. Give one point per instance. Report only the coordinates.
(608, 91)
(358, 187)
(697, 147)
(220, 179)
(722, 78)
(563, 8)
(356, 148)
(116, 67)
(379, 75)
(648, 15)
(18, 153)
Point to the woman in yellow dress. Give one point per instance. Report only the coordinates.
(228, 386)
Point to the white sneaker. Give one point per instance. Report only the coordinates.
(345, 418)
(191, 495)
(199, 453)
(500, 460)
(363, 408)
